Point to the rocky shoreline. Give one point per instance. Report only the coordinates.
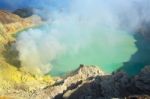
(89, 82)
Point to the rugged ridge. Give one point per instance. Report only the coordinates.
(89, 82)
(70, 82)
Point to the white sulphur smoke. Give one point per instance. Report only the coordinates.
(37, 49)
(73, 29)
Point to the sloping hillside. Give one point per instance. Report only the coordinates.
(7, 17)
(13, 78)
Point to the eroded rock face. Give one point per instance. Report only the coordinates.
(115, 85)
(91, 83)
(142, 82)
(69, 83)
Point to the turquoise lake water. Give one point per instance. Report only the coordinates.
(104, 47)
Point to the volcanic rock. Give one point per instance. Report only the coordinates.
(91, 83)
(71, 82)
(142, 82)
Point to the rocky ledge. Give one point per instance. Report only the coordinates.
(89, 82)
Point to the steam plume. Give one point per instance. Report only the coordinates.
(72, 27)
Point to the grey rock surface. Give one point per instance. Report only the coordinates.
(89, 82)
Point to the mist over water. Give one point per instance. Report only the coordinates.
(92, 32)
(62, 47)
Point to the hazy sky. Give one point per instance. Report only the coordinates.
(15, 4)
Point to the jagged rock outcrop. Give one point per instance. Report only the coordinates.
(91, 83)
(68, 83)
